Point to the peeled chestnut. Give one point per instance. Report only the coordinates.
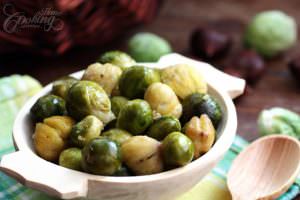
(248, 65)
(208, 43)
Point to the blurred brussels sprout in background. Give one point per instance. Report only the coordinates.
(118, 58)
(135, 117)
(184, 80)
(71, 158)
(107, 76)
(148, 47)
(163, 100)
(88, 98)
(61, 86)
(50, 137)
(117, 103)
(85, 130)
(142, 155)
(161, 127)
(279, 121)
(198, 104)
(202, 133)
(271, 32)
(48, 106)
(177, 150)
(135, 80)
(101, 156)
(117, 135)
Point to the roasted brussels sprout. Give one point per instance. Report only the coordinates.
(119, 136)
(88, 98)
(142, 155)
(135, 117)
(118, 58)
(197, 104)
(184, 80)
(48, 106)
(148, 47)
(202, 132)
(85, 130)
(71, 158)
(61, 86)
(163, 100)
(161, 127)
(177, 150)
(50, 136)
(279, 121)
(107, 76)
(117, 103)
(101, 156)
(135, 80)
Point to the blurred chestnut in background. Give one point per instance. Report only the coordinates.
(294, 66)
(208, 43)
(233, 72)
(247, 64)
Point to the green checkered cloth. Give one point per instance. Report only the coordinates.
(16, 89)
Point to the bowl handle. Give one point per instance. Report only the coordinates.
(29, 169)
(232, 85)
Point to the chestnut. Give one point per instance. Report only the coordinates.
(248, 65)
(208, 43)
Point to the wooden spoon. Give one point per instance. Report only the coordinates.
(265, 169)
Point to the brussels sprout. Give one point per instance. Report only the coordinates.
(142, 155)
(202, 132)
(61, 86)
(279, 121)
(289, 117)
(148, 47)
(118, 58)
(271, 32)
(135, 80)
(50, 136)
(101, 156)
(119, 136)
(135, 117)
(107, 76)
(117, 103)
(48, 106)
(88, 98)
(85, 130)
(197, 104)
(71, 158)
(177, 150)
(184, 80)
(163, 100)
(161, 127)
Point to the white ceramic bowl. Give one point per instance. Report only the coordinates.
(35, 172)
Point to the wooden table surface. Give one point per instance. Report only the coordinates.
(175, 22)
